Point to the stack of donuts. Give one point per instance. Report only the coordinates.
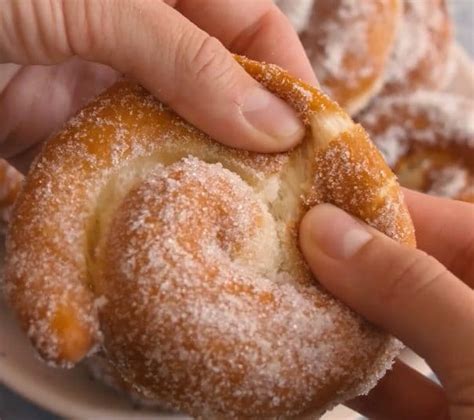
(389, 63)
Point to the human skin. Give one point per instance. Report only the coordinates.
(56, 54)
(422, 296)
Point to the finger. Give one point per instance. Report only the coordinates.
(38, 99)
(174, 59)
(255, 28)
(445, 230)
(403, 393)
(22, 161)
(396, 287)
(7, 73)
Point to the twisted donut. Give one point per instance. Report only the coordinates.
(428, 140)
(420, 58)
(137, 234)
(348, 43)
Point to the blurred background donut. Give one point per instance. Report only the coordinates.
(10, 184)
(420, 57)
(428, 140)
(348, 44)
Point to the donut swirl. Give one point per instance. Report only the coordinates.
(177, 257)
(349, 43)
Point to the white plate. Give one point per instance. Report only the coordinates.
(69, 393)
(73, 394)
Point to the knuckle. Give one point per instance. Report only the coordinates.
(209, 62)
(460, 390)
(80, 25)
(417, 274)
(89, 37)
(251, 34)
(40, 40)
(463, 261)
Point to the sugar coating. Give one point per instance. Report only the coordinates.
(427, 138)
(348, 43)
(169, 253)
(198, 297)
(449, 181)
(100, 369)
(339, 40)
(420, 57)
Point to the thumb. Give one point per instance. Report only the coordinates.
(402, 290)
(169, 55)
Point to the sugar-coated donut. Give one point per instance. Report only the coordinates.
(421, 55)
(100, 369)
(10, 184)
(137, 235)
(348, 43)
(428, 139)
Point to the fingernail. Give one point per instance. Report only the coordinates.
(272, 116)
(335, 232)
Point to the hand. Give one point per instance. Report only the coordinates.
(50, 50)
(424, 297)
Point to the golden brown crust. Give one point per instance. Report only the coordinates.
(349, 44)
(370, 192)
(130, 237)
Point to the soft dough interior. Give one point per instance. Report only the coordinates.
(282, 195)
